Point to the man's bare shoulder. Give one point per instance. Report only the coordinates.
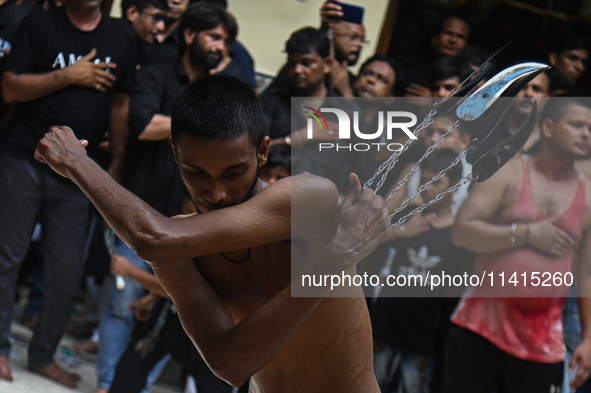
(301, 187)
(512, 170)
(312, 201)
(498, 183)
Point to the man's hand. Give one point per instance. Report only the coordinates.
(329, 12)
(414, 90)
(59, 148)
(143, 307)
(339, 78)
(361, 226)
(546, 237)
(120, 265)
(86, 73)
(582, 359)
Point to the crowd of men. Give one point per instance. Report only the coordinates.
(157, 115)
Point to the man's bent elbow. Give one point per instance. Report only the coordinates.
(8, 92)
(149, 247)
(228, 372)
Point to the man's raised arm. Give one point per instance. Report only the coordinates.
(158, 239)
(235, 352)
(474, 230)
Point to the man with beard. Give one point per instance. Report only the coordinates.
(150, 171)
(345, 28)
(530, 219)
(535, 91)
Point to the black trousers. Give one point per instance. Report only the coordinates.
(133, 368)
(474, 364)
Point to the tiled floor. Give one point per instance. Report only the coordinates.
(27, 382)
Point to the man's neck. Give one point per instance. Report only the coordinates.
(193, 71)
(84, 18)
(516, 120)
(320, 91)
(552, 166)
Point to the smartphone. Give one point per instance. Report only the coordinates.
(351, 12)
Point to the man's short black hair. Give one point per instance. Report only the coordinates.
(449, 14)
(567, 40)
(279, 155)
(307, 40)
(222, 3)
(141, 5)
(557, 107)
(218, 106)
(448, 67)
(439, 159)
(398, 73)
(205, 16)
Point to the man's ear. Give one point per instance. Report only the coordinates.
(132, 13)
(465, 139)
(174, 150)
(553, 59)
(434, 39)
(189, 36)
(328, 63)
(263, 152)
(547, 128)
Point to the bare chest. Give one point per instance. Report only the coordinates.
(246, 279)
(547, 197)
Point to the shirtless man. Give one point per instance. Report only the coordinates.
(226, 267)
(531, 218)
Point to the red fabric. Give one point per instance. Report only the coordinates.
(524, 321)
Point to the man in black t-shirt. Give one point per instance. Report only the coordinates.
(151, 173)
(74, 66)
(421, 251)
(308, 66)
(147, 18)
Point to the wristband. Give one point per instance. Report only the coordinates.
(512, 232)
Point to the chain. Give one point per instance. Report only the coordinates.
(423, 187)
(418, 163)
(419, 209)
(393, 159)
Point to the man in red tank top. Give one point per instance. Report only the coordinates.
(527, 222)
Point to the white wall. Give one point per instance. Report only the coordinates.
(265, 25)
